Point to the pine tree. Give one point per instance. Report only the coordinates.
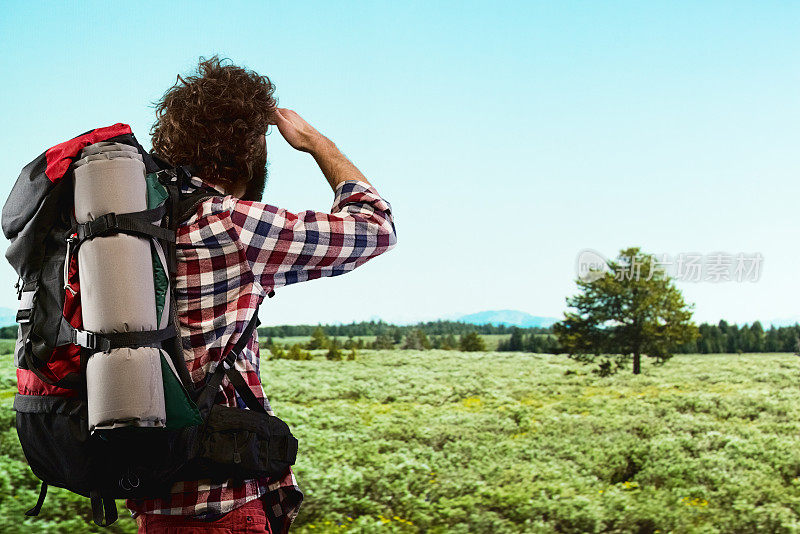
(397, 335)
(758, 338)
(772, 342)
(515, 342)
(471, 342)
(626, 311)
(319, 340)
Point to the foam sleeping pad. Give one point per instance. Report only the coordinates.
(124, 385)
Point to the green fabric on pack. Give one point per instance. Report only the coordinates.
(181, 410)
(156, 194)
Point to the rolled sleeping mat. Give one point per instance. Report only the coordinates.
(124, 385)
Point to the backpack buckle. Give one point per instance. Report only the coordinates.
(166, 176)
(84, 338)
(105, 223)
(97, 227)
(230, 359)
(25, 310)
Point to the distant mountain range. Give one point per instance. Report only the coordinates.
(508, 318)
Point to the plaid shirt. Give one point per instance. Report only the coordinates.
(231, 253)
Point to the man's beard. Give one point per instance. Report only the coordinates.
(258, 172)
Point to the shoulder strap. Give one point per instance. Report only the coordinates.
(180, 207)
(226, 367)
(189, 203)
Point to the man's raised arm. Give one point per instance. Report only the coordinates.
(284, 248)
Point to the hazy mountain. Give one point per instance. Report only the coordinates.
(508, 318)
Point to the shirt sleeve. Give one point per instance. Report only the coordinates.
(285, 248)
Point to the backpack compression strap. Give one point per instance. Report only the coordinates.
(138, 223)
(38, 352)
(226, 367)
(104, 508)
(38, 506)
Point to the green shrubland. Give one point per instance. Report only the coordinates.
(443, 441)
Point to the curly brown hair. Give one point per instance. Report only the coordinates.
(215, 120)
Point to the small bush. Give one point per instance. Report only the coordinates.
(334, 351)
(296, 352)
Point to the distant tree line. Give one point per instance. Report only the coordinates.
(319, 340)
(731, 338)
(523, 340)
(8, 332)
(414, 339)
(377, 328)
(714, 338)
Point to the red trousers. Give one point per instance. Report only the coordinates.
(246, 519)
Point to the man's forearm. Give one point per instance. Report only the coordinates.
(302, 136)
(333, 164)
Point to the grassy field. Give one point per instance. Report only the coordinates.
(439, 441)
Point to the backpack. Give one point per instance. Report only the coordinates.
(200, 439)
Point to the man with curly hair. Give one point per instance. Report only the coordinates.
(235, 250)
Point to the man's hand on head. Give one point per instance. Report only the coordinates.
(297, 132)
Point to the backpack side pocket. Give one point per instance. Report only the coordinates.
(53, 432)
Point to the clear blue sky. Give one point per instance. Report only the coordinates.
(507, 137)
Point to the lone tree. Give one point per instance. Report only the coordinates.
(319, 340)
(633, 308)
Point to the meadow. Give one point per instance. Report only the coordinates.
(443, 441)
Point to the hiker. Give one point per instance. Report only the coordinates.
(234, 250)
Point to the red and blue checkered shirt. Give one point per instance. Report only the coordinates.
(231, 253)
